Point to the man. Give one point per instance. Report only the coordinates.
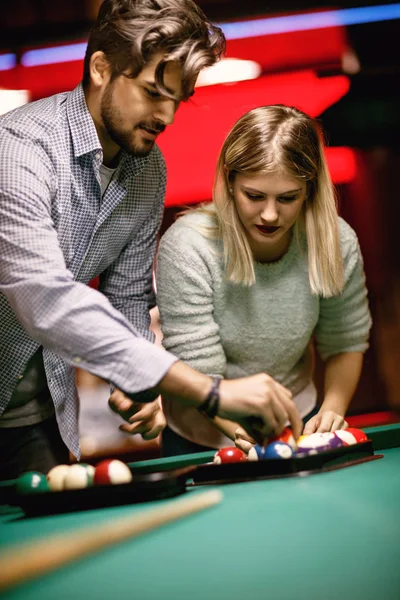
(81, 195)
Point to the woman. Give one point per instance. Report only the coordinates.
(251, 282)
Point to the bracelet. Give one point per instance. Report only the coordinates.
(211, 404)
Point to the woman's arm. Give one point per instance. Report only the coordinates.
(342, 336)
(342, 373)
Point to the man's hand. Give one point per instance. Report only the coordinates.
(325, 421)
(267, 403)
(147, 419)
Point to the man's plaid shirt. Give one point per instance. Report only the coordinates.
(56, 235)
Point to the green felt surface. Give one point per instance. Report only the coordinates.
(171, 462)
(325, 536)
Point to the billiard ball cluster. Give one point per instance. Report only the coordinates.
(74, 477)
(285, 446)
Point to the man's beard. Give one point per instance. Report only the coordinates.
(111, 118)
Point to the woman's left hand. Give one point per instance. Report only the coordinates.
(326, 420)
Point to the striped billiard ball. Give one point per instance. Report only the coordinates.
(287, 437)
(278, 450)
(112, 471)
(256, 452)
(358, 434)
(314, 443)
(79, 476)
(275, 449)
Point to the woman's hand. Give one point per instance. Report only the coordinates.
(147, 419)
(243, 440)
(325, 420)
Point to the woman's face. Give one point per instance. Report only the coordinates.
(268, 206)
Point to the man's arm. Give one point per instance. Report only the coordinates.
(77, 322)
(257, 403)
(69, 318)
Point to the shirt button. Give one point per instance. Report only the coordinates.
(77, 359)
(20, 377)
(98, 155)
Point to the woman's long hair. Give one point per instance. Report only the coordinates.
(279, 139)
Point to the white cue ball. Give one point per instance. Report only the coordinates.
(119, 472)
(56, 476)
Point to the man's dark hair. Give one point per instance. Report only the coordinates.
(130, 32)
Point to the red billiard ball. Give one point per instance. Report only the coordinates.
(112, 472)
(287, 437)
(231, 454)
(358, 434)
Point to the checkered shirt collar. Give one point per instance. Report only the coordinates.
(84, 135)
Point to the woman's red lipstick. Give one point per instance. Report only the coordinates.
(267, 230)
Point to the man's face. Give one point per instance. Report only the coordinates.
(132, 111)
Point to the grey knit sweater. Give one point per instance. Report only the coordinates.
(231, 330)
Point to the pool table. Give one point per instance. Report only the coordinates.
(324, 536)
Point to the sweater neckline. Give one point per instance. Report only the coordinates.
(283, 261)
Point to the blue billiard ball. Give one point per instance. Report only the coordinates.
(273, 450)
(256, 453)
(278, 450)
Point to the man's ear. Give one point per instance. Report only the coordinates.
(99, 68)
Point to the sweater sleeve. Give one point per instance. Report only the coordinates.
(185, 298)
(344, 320)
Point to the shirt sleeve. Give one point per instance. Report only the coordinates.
(344, 320)
(185, 298)
(69, 318)
(128, 282)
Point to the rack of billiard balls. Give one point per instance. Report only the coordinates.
(285, 446)
(74, 477)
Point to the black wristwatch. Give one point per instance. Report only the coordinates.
(210, 405)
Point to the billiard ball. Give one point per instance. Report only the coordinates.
(278, 450)
(56, 476)
(287, 437)
(78, 476)
(313, 443)
(256, 452)
(302, 437)
(335, 441)
(275, 449)
(358, 434)
(32, 482)
(90, 470)
(230, 454)
(346, 436)
(111, 471)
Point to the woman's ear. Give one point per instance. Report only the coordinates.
(229, 179)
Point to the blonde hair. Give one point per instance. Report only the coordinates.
(282, 139)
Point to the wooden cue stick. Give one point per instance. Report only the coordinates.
(32, 559)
